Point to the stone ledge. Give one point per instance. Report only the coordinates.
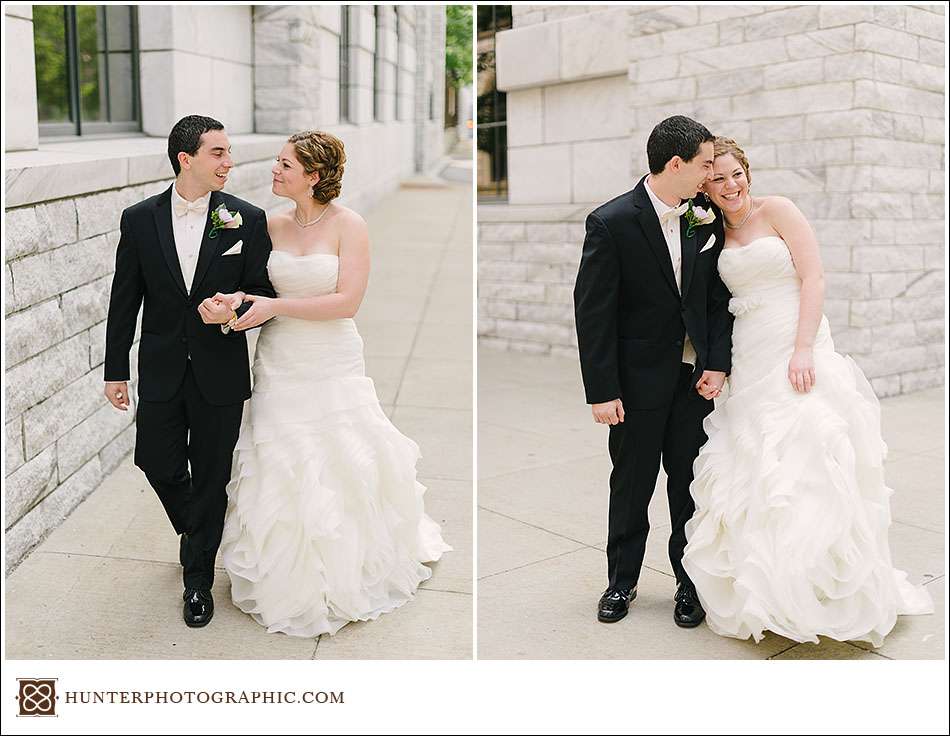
(74, 168)
(18, 11)
(535, 213)
(581, 47)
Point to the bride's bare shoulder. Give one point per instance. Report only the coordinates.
(348, 220)
(779, 211)
(776, 204)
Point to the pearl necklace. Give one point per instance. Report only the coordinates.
(312, 222)
(744, 219)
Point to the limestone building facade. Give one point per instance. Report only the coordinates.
(839, 107)
(372, 75)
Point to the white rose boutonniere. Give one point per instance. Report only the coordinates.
(222, 219)
(696, 216)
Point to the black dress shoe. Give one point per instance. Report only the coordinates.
(198, 608)
(688, 611)
(614, 604)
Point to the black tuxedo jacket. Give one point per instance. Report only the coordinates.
(147, 269)
(630, 317)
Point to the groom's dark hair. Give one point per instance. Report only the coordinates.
(676, 136)
(186, 137)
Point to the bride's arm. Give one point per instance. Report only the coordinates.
(797, 233)
(351, 284)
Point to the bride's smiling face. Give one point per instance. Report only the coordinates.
(728, 187)
(288, 176)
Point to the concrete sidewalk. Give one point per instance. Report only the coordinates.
(542, 492)
(107, 583)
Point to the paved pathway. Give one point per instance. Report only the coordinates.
(106, 584)
(542, 477)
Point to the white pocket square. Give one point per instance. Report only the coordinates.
(709, 243)
(236, 249)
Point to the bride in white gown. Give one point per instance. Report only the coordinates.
(792, 510)
(325, 521)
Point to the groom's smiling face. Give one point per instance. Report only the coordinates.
(209, 168)
(692, 175)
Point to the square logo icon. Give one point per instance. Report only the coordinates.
(37, 697)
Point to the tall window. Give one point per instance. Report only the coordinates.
(377, 61)
(397, 112)
(86, 68)
(451, 117)
(492, 113)
(345, 64)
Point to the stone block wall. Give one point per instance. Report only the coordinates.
(297, 74)
(429, 90)
(196, 58)
(297, 81)
(840, 108)
(568, 123)
(62, 436)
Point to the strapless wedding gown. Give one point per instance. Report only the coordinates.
(325, 521)
(792, 510)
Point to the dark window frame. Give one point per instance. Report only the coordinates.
(344, 82)
(496, 129)
(377, 61)
(396, 113)
(76, 128)
(450, 117)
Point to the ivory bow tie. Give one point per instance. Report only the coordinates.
(673, 213)
(182, 208)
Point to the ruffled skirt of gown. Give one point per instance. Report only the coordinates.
(792, 514)
(325, 522)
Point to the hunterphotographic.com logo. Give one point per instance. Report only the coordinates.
(37, 697)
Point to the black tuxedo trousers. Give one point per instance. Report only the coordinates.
(170, 437)
(675, 433)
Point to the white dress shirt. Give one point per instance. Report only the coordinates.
(671, 233)
(188, 229)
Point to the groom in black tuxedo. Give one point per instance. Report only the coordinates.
(655, 341)
(184, 253)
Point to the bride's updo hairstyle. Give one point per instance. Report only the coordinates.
(723, 146)
(323, 154)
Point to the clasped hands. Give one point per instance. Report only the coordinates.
(709, 386)
(220, 310)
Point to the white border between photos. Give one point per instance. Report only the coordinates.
(633, 696)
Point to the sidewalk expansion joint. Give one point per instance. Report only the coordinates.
(787, 649)
(163, 563)
(535, 526)
(917, 526)
(444, 590)
(529, 564)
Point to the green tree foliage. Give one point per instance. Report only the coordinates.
(458, 44)
(49, 44)
(90, 29)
